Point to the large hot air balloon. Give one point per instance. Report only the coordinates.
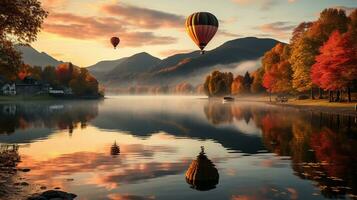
(201, 27)
(115, 41)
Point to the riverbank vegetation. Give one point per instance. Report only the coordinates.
(321, 56)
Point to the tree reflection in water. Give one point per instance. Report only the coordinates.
(68, 115)
(114, 149)
(321, 146)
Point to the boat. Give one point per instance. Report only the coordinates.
(228, 99)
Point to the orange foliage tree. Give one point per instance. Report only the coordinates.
(277, 77)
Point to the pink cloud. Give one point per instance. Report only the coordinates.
(279, 29)
(100, 28)
(144, 17)
(171, 52)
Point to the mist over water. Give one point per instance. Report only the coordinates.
(140, 147)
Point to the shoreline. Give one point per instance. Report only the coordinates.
(317, 105)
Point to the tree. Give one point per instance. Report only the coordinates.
(247, 82)
(303, 52)
(306, 41)
(277, 77)
(218, 83)
(10, 60)
(257, 84)
(336, 66)
(20, 21)
(299, 31)
(238, 86)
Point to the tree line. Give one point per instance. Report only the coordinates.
(321, 56)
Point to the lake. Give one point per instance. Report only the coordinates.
(141, 147)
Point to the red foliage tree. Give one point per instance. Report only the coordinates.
(336, 66)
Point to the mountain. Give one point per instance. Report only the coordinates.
(32, 57)
(190, 67)
(233, 51)
(100, 69)
(130, 68)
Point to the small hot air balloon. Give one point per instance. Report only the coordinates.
(201, 27)
(115, 41)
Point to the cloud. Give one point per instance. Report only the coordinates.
(171, 52)
(144, 17)
(228, 34)
(280, 29)
(264, 4)
(54, 4)
(99, 28)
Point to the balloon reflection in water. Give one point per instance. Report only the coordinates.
(202, 174)
(114, 149)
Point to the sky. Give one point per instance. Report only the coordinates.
(79, 31)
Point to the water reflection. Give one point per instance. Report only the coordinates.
(140, 148)
(114, 149)
(202, 174)
(40, 117)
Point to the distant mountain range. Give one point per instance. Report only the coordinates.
(32, 57)
(145, 69)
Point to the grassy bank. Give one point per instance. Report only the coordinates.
(318, 105)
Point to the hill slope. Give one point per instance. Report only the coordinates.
(32, 57)
(147, 70)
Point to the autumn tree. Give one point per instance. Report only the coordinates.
(277, 77)
(336, 66)
(238, 86)
(306, 41)
(218, 83)
(257, 84)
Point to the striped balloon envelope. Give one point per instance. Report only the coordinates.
(201, 27)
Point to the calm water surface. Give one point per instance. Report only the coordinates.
(141, 147)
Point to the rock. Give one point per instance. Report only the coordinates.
(43, 187)
(57, 188)
(25, 170)
(53, 195)
(24, 184)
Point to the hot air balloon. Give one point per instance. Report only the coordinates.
(115, 41)
(201, 27)
(202, 174)
(114, 149)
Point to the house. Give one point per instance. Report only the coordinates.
(8, 89)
